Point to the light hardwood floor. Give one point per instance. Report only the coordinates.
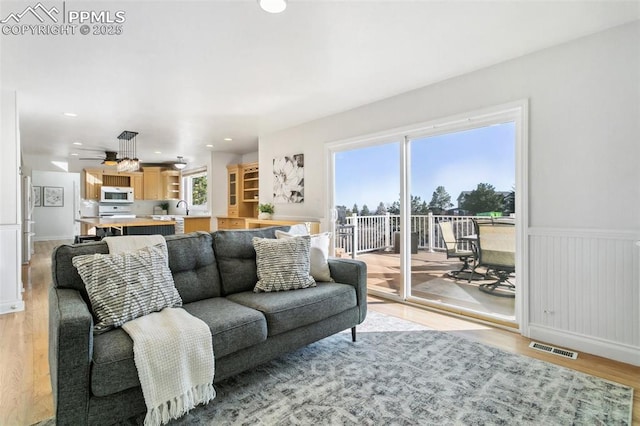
(25, 390)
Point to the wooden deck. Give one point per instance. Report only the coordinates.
(429, 281)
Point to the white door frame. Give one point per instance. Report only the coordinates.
(518, 112)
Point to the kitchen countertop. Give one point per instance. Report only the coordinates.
(105, 222)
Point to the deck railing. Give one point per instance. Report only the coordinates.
(381, 232)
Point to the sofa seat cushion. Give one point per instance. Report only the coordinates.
(233, 327)
(287, 310)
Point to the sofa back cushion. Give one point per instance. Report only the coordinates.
(237, 258)
(194, 266)
(191, 260)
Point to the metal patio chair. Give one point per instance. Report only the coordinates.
(455, 250)
(496, 247)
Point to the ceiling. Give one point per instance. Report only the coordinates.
(186, 74)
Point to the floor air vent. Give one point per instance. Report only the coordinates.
(556, 351)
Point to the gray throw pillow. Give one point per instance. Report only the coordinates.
(127, 285)
(283, 264)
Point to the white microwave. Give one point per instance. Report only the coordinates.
(113, 194)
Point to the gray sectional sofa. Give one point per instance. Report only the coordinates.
(94, 377)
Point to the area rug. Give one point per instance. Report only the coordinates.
(400, 373)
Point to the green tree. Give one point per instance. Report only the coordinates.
(394, 208)
(417, 206)
(483, 199)
(365, 211)
(381, 210)
(199, 190)
(440, 200)
(355, 209)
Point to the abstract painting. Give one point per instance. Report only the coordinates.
(288, 179)
(53, 196)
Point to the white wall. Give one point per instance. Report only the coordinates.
(584, 99)
(584, 129)
(55, 223)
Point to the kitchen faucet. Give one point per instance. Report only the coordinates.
(186, 206)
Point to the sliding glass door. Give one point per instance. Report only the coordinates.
(410, 206)
(367, 205)
(457, 179)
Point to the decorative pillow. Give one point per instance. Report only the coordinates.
(282, 264)
(318, 254)
(298, 229)
(127, 285)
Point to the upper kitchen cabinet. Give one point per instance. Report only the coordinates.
(152, 183)
(171, 184)
(92, 184)
(138, 185)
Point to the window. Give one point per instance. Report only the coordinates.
(194, 184)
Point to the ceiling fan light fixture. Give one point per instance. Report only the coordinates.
(111, 158)
(273, 6)
(180, 164)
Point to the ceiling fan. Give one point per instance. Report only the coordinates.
(110, 158)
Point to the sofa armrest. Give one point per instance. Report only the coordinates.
(354, 272)
(70, 353)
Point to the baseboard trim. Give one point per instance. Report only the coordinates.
(604, 348)
(11, 307)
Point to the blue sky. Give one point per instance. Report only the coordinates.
(458, 161)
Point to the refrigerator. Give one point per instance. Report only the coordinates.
(28, 233)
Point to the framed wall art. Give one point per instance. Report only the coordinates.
(53, 196)
(288, 179)
(36, 194)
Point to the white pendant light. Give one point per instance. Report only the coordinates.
(180, 164)
(273, 6)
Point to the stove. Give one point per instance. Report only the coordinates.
(116, 211)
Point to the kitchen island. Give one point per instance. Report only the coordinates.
(128, 226)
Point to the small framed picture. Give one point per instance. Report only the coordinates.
(36, 193)
(53, 196)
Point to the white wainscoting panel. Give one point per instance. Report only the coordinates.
(10, 269)
(584, 287)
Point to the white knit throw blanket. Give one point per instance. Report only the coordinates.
(172, 349)
(173, 352)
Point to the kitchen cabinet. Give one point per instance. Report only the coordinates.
(231, 223)
(197, 223)
(138, 185)
(250, 183)
(152, 183)
(243, 190)
(252, 223)
(119, 180)
(92, 184)
(233, 190)
(171, 180)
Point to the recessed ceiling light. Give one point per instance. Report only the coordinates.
(273, 6)
(209, 146)
(157, 152)
(77, 143)
(228, 139)
(75, 154)
(70, 114)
